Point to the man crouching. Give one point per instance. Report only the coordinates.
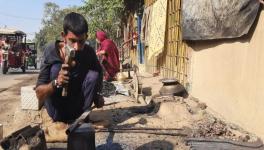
(83, 77)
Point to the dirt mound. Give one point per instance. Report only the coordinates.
(182, 113)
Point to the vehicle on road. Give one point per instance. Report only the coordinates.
(31, 55)
(13, 51)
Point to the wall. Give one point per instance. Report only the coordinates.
(229, 76)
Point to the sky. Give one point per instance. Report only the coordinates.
(26, 15)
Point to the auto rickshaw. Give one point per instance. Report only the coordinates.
(31, 55)
(13, 51)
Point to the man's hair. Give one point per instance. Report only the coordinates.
(75, 23)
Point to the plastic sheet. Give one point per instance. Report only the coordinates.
(217, 19)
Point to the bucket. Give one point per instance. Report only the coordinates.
(83, 138)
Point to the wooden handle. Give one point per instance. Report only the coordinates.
(65, 88)
(64, 91)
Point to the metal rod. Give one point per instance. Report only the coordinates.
(178, 133)
(122, 128)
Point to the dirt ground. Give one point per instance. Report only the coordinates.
(164, 123)
(10, 103)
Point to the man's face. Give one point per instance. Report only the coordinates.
(75, 42)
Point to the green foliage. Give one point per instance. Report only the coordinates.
(52, 24)
(103, 15)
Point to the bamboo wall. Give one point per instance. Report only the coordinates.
(175, 58)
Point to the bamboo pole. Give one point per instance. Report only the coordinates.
(171, 40)
(175, 40)
(180, 46)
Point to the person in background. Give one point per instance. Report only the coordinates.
(1, 54)
(108, 54)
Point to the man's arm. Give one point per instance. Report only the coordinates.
(43, 91)
(261, 1)
(46, 85)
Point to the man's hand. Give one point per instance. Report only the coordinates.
(102, 52)
(99, 102)
(63, 77)
(261, 1)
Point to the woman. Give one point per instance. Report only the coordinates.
(108, 54)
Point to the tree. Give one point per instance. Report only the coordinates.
(104, 15)
(52, 24)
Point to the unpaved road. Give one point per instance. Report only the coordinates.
(13, 77)
(10, 85)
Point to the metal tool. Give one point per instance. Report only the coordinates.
(79, 121)
(69, 57)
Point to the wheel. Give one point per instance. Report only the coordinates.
(23, 69)
(5, 67)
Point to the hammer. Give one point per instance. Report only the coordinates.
(69, 57)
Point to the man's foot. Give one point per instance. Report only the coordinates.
(55, 132)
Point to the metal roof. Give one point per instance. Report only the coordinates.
(11, 31)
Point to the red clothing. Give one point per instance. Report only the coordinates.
(110, 61)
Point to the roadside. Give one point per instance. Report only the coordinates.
(10, 97)
(14, 77)
(164, 123)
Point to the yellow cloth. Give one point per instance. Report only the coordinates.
(158, 27)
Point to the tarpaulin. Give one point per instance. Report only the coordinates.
(216, 19)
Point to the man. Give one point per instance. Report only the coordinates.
(108, 53)
(83, 77)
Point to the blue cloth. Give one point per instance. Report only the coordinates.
(84, 84)
(140, 45)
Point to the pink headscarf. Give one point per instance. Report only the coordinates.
(101, 36)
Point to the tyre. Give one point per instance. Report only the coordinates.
(4, 67)
(23, 69)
